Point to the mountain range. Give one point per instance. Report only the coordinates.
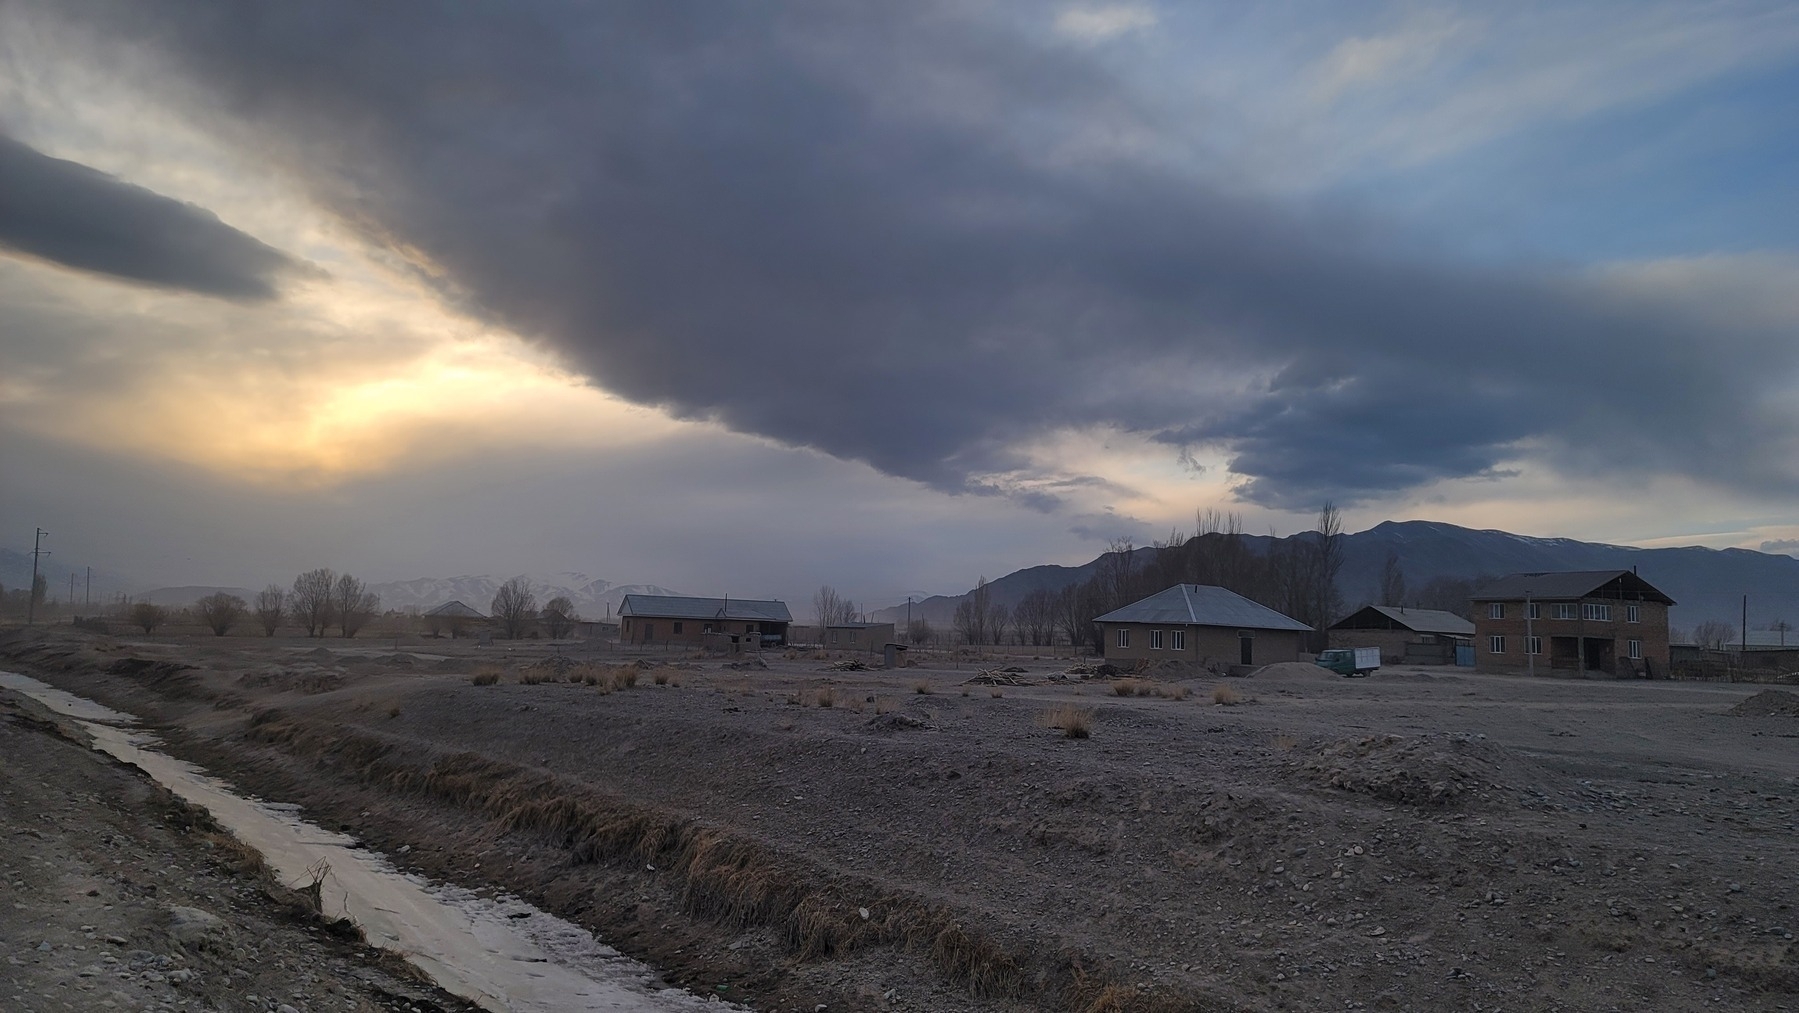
(1707, 583)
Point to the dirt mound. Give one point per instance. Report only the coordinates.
(321, 654)
(848, 665)
(292, 680)
(1438, 771)
(1296, 671)
(753, 663)
(1768, 703)
(896, 722)
(556, 665)
(400, 659)
(1103, 670)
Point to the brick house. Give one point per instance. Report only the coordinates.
(1200, 624)
(717, 623)
(1609, 622)
(1404, 635)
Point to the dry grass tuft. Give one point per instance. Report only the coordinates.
(660, 676)
(624, 677)
(1285, 741)
(1133, 687)
(393, 710)
(530, 678)
(996, 693)
(485, 678)
(922, 687)
(1226, 695)
(886, 705)
(1074, 722)
(1173, 692)
(825, 696)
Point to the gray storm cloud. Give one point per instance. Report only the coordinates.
(70, 214)
(891, 235)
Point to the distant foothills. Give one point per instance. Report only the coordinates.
(1424, 564)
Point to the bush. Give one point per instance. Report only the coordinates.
(922, 687)
(825, 697)
(1226, 695)
(486, 678)
(1074, 722)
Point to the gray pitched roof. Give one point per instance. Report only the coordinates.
(455, 610)
(1416, 620)
(1202, 605)
(666, 606)
(1568, 585)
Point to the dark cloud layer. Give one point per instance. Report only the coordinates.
(897, 234)
(66, 212)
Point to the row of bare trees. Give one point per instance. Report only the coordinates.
(515, 607)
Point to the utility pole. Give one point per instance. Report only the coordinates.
(31, 595)
(87, 596)
(71, 589)
(908, 619)
(1745, 650)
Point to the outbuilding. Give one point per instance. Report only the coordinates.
(719, 623)
(1202, 624)
(1404, 636)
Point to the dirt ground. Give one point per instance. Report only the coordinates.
(796, 835)
(114, 895)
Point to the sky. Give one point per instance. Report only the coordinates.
(746, 298)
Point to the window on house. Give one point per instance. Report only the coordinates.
(677, 627)
(1533, 645)
(1533, 611)
(1495, 645)
(1636, 649)
(1124, 636)
(1155, 640)
(1177, 640)
(649, 631)
(1496, 610)
(1596, 612)
(707, 629)
(833, 636)
(749, 627)
(1633, 613)
(1565, 612)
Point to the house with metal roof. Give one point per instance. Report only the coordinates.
(1593, 622)
(453, 618)
(720, 623)
(1404, 635)
(1201, 624)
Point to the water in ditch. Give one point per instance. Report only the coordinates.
(500, 953)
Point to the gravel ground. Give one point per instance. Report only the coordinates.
(1422, 839)
(115, 896)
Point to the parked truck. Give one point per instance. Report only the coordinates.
(1350, 661)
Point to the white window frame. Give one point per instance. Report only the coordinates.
(1596, 612)
(1564, 610)
(1177, 640)
(1124, 636)
(1496, 644)
(1496, 610)
(1155, 640)
(1636, 650)
(1534, 610)
(1633, 613)
(1533, 645)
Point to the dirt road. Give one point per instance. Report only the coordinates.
(1424, 839)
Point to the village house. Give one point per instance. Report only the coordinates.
(455, 619)
(730, 624)
(1201, 624)
(1609, 622)
(1404, 636)
(871, 637)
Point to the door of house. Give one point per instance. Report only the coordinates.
(1246, 649)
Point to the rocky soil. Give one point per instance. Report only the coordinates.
(932, 840)
(114, 895)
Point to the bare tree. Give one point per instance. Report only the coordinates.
(560, 617)
(1035, 617)
(148, 616)
(353, 604)
(999, 621)
(312, 602)
(1782, 627)
(271, 604)
(919, 632)
(1714, 634)
(220, 611)
(832, 608)
(1392, 581)
(515, 606)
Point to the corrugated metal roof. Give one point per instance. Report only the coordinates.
(1567, 584)
(1416, 620)
(663, 606)
(455, 610)
(1202, 605)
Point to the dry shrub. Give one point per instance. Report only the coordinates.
(624, 677)
(1174, 692)
(1286, 741)
(1226, 695)
(826, 696)
(393, 710)
(1132, 687)
(485, 678)
(922, 687)
(530, 678)
(996, 693)
(886, 705)
(1074, 722)
(660, 676)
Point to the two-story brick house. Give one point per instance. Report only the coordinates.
(1609, 622)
